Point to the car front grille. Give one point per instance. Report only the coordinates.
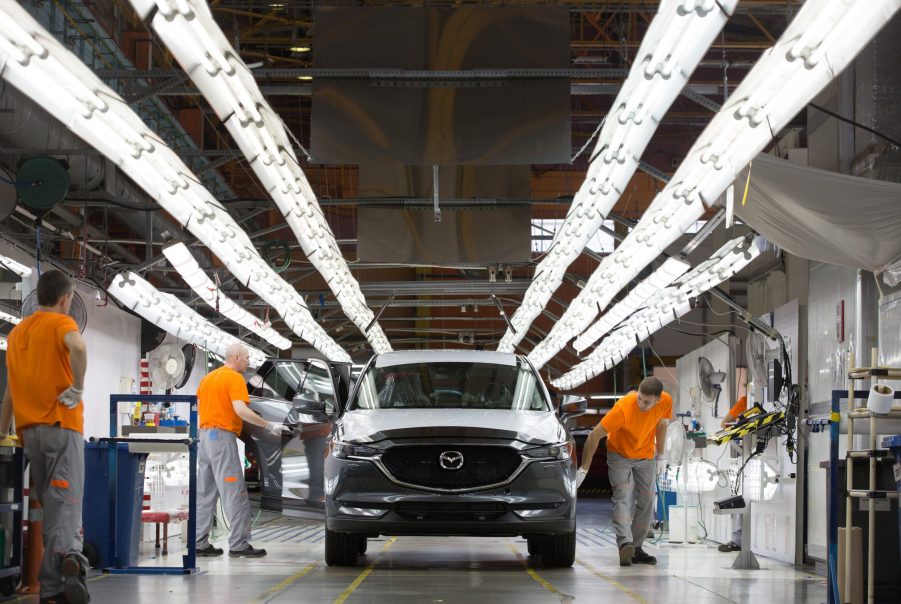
(437, 511)
(482, 465)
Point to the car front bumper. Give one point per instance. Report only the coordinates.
(360, 498)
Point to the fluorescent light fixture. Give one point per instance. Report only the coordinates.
(14, 266)
(662, 277)
(5, 316)
(38, 65)
(662, 308)
(171, 314)
(183, 261)
(305, 78)
(199, 45)
(674, 43)
(821, 40)
(300, 49)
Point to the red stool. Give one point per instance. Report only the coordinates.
(163, 518)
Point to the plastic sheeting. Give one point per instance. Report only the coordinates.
(824, 216)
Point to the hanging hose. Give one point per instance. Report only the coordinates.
(270, 253)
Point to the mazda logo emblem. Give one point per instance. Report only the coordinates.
(451, 460)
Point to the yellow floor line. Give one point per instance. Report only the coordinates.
(362, 577)
(287, 582)
(613, 582)
(538, 578)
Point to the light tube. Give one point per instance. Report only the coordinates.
(169, 313)
(183, 261)
(195, 39)
(663, 308)
(14, 266)
(674, 43)
(5, 316)
(805, 58)
(39, 66)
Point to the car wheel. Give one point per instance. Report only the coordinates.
(361, 546)
(341, 548)
(559, 551)
(534, 545)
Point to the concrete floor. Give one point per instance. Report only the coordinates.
(456, 570)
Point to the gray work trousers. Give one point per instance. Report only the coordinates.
(56, 459)
(221, 474)
(633, 497)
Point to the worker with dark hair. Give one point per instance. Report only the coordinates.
(632, 427)
(46, 360)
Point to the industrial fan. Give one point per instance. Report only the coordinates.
(677, 449)
(166, 364)
(77, 310)
(710, 382)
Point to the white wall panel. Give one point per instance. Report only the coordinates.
(829, 284)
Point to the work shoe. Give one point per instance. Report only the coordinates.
(247, 552)
(642, 557)
(626, 553)
(74, 587)
(210, 551)
(732, 546)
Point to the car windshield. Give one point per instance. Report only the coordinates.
(450, 385)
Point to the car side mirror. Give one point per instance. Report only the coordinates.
(572, 406)
(308, 402)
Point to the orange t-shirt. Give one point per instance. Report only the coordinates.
(214, 398)
(37, 361)
(631, 432)
(740, 407)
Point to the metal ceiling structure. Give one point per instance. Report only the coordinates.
(106, 224)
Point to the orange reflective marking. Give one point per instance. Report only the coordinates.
(231, 479)
(63, 484)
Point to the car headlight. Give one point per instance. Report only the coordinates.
(557, 451)
(343, 450)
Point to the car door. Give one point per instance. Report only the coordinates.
(313, 411)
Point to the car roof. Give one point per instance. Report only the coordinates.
(406, 357)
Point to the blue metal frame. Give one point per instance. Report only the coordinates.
(189, 561)
(833, 597)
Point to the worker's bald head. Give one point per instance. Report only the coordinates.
(237, 356)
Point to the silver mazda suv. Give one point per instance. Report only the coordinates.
(451, 443)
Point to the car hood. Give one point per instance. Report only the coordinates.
(373, 425)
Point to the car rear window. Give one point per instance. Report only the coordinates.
(449, 385)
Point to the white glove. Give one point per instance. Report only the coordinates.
(661, 466)
(70, 397)
(580, 477)
(277, 429)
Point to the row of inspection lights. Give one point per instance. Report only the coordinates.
(821, 40)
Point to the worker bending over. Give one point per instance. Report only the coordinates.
(222, 401)
(636, 421)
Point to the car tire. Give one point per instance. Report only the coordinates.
(341, 548)
(559, 551)
(361, 546)
(534, 545)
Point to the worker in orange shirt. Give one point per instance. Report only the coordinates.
(636, 423)
(222, 405)
(731, 417)
(46, 360)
